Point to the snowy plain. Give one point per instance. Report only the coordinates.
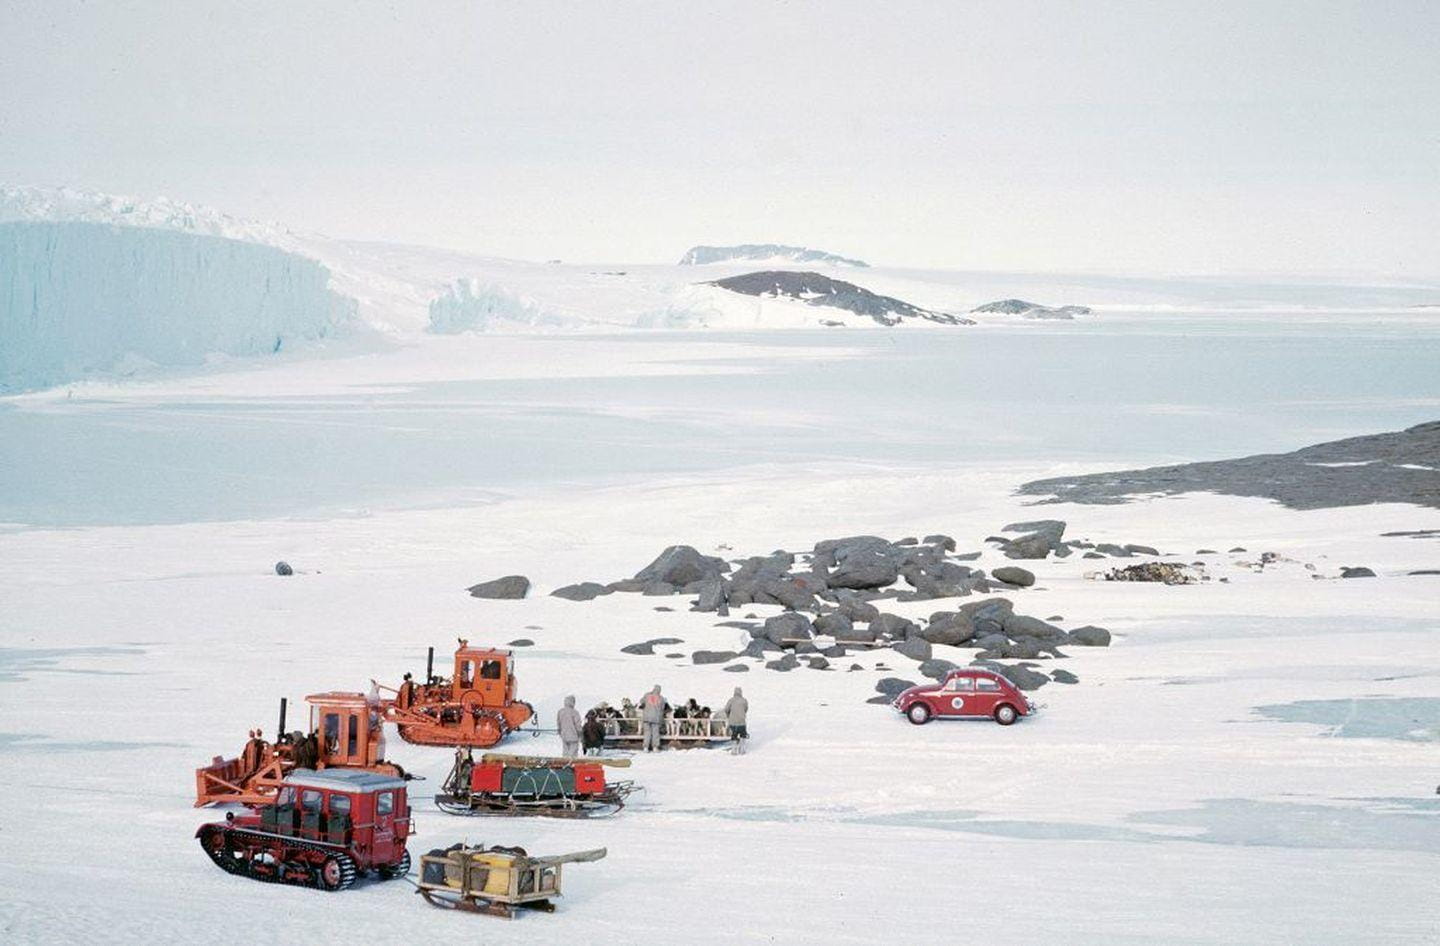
(1251, 761)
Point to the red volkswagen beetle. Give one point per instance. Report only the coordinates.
(968, 693)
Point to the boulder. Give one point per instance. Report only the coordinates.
(1090, 636)
(737, 668)
(806, 647)
(1141, 549)
(856, 609)
(626, 585)
(283, 568)
(711, 596)
(1092, 555)
(1022, 677)
(787, 626)
(1035, 545)
(943, 541)
(1053, 529)
(584, 591)
(790, 593)
(948, 627)
(760, 647)
(990, 642)
(509, 588)
(817, 663)
(1063, 676)
(891, 625)
(857, 635)
(1020, 625)
(1013, 575)
(1359, 571)
(658, 589)
(701, 657)
(836, 624)
(935, 668)
(521, 642)
(680, 565)
(893, 686)
(916, 648)
(834, 650)
(784, 664)
(865, 569)
(1110, 548)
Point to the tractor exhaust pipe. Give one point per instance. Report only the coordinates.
(280, 733)
(430, 667)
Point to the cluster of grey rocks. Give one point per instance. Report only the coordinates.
(835, 590)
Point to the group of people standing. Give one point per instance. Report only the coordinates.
(652, 710)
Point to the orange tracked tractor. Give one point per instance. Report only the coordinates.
(473, 708)
(345, 733)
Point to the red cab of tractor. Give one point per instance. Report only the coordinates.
(968, 693)
(475, 707)
(322, 829)
(346, 732)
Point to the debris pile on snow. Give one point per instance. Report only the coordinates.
(1166, 572)
(767, 252)
(817, 290)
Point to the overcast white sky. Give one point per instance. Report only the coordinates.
(1144, 137)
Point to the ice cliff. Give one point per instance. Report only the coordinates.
(80, 298)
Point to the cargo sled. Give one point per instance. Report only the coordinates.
(502, 784)
(499, 881)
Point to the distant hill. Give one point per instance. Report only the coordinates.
(1032, 310)
(815, 289)
(700, 255)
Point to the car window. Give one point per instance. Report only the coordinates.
(986, 685)
(384, 803)
(339, 804)
(310, 800)
(287, 796)
(961, 684)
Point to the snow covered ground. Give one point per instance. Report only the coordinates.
(1251, 761)
(1150, 802)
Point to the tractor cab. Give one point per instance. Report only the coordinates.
(483, 677)
(349, 728)
(366, 811)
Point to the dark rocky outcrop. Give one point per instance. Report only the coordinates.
(1393, 467)
(1012, 575)
(584, 591)
(510, 587)
(819, 290)
(1031, 310)
(283, 568)
(1089, 636)
(680, 565)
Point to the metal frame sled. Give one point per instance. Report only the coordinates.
(502, 784)
(497, 881)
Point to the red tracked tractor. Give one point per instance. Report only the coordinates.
(345, 733)
(322, 829)
(473, 708)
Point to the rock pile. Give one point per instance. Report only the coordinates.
(835, 592)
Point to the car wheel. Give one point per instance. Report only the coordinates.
(1005, 714)
(918, 713)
